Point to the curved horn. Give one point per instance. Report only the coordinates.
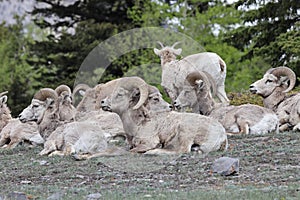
(285, 71)
(206, 77)
(45, 93)
(62, 88)
(135, 82)
(161, 44)
(81, 86)
(3, 93)
(175, 44)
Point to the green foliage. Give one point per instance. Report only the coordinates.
(17, 76)
(244, 97)
(270, 30)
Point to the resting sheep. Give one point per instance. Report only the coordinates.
(12, 131)
(174, 71)
(243, 119)
(161, 132)
(273, 87)
(5, 114)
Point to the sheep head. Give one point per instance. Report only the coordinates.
(167, 53)
(64, 94)
(155, 102)
(123, 97)
(4, 110)
(196, 90)
(44, 99)
(280, 78)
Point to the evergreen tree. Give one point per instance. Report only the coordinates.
(17, 76)
(270, 30)
(76, 29)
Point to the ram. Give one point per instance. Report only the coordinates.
(161, 131)
(92, 96)
(174, 71)
(274, 88)
(66, 110)
(93, 134)
(243, 119)
(44, 111)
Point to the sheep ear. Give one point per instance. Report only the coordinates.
(3, 99)
(81, 92)
(178, 51)
(200, 84)
(157, 51)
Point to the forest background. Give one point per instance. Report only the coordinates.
(250, 35)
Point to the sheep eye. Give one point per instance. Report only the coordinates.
(35, 106)
(156, 99)
(268, 81)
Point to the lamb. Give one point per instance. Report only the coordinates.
(273, 88)
(243, 119)
(174, 71)
(162, 132)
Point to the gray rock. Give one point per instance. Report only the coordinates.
(226, 166)
(94, 196)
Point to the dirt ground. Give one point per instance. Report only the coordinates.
(269, 169)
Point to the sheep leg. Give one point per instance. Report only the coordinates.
(160, 152)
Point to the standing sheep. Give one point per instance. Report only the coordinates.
(174, 71)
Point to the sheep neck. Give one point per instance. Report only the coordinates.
(273, 100)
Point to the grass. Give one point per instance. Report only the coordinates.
(269, 169)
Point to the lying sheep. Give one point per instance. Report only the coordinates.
(92, 96)
(66, 110)
(174, 71)
(5, 113)
(12, 131)
(43, 110)
(16, 132)
(273, 87)
(243, 119)
(162, 132)
(87, 137)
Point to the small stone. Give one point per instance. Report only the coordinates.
(94, 196)
(226, 166)
(26, 182)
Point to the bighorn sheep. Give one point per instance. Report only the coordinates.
(43, 110)
(66, 110)
(273, 87)
(93, 96)
(5, 114)
(172, 131)
(247, 119)
(174, 71)
(16, 132)
(12, 131)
